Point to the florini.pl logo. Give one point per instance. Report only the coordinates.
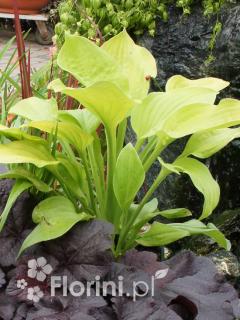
(40, 271)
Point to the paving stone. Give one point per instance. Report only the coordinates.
(39, 55)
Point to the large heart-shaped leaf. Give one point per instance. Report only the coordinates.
(202, 180)
(128, 177)
(161, 234)
(137, 63)
(55, 216)
(178, 81)
(89, 63)
(104, 99)
(69, 132)
(204, 144)
(149, 117)
(24, 151)
(36, 109)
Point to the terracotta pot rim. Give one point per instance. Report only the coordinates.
(25, 6)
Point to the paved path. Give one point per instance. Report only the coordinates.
(39, 54)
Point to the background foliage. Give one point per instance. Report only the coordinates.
(101, 19)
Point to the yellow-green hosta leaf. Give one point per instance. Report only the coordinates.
(128, 177)
(146, 213)
(150, 211)
(18, 134)
(65, 116)
(89, 63)
(104, 99)
(196, 227)
(136, 62)
(161, 234)
(122, 48)
(21, 173)
(169, 167)
(55, 216)
(198, 117)
(66, 131)
(178, 81)
(175, 213)
(19, 187)
(83, 117)
(75, 169)
(149, 118)
(227, 102)
(204, 144)
(36, 109)
(67, 173)
(24, 151)
(202, 180)
(11, 133)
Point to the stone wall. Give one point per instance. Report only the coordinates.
(181, 46)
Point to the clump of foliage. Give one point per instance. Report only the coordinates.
(185, 287)
(97, 19)
(79, 177)
(216, 30)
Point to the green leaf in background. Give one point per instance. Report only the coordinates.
(83, 117)
(204, 144)
(197, 117)
(70, 132)
(161, 234)
(196, 227)
(19, 187)
(178, 81)
(36, 109)
(89, 63)
(21, 173)
(68, 175)
(202, 180)
(147, 211)
(150, 211)
(104, 99)
(128, 177)
(24, 151)
(55, 216)
(149, 117)
(175, 213)
(137, 63)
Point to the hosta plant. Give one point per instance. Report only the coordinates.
(62, 155)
